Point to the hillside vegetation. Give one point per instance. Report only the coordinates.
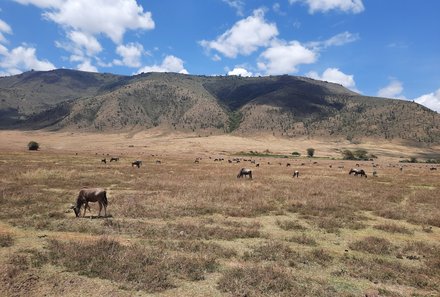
(279, 105)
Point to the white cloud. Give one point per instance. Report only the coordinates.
(431, 100)
(169, 64)
(21, 59)
(392, 90)
(341, 39)
(85, 20)
(337, 40)
(4, 28)
(334, 75)
(240, 71)
(86, 65)
(131, 54)
(348, 6)
(109, 17)
(282, 58)
(85, 41)
(238, 5)
(245, 37)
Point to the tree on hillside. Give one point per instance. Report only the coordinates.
(33, 146)
(310, 152)
(348, 155)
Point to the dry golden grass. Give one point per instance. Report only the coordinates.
(187, 229)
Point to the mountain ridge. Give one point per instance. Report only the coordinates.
(285, 105)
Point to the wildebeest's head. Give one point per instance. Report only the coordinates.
(76, 210)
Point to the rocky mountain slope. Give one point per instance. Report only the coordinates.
(280, 105)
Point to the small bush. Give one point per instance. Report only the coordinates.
(310, 152)
(271, 251)
(33, 146)
(393, 228)
(303, 239)
(257, 281)
(373, 245)
(6, 240)
(290, 225)
(296, 154)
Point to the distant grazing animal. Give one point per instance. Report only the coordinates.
(296, 173)
(87, 195)
(196, 161)
(136, 163)
(357, 172)
(104, 161)
(257, 165)
(244, 172)
(288, 165)
(330, 166)
(158, 162)
(433, 168)
(116, 159)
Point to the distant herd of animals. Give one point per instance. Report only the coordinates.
(99, 195)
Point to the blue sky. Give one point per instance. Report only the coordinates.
(388, 48)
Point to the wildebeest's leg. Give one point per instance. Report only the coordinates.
(250, 175)
(100, 208)
(85, 208)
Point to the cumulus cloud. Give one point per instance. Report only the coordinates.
(334, 75)
(431, 100)
(245, 36)
(131, 54)
(84, 21)
(21, 59)
(282, 58)
(169, 64)
(109, 17)
(348, 6)
(4, 28)
(84, 41)
(240, 71)
(392, 90)
(86, 65)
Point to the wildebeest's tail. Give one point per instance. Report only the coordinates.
(105, 201)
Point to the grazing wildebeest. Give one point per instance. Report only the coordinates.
(257, 165)
(288, 165)
(104, 161)
(136, 163)
(114, 159)
(357, 171)
(244, 172)
(158, 162)
(433, 168)
(196, 161)
(87, 195)
(296, 173)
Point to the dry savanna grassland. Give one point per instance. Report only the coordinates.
(181, 228)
